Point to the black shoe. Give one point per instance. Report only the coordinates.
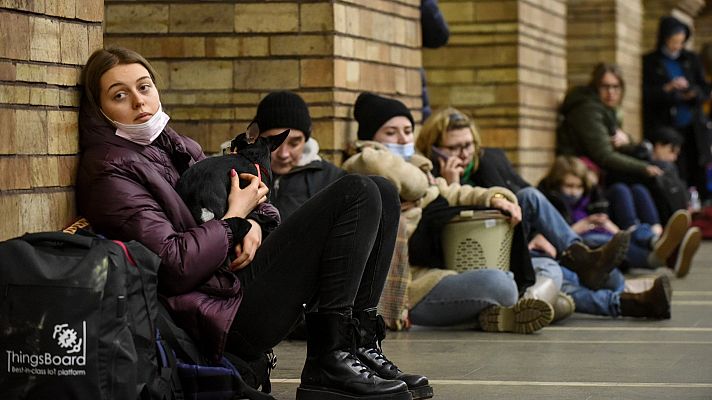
(372, 330)
(333, 372)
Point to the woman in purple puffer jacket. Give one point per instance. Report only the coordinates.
(332, 253)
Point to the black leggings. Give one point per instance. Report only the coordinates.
(334, 251)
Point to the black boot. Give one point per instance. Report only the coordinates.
(372, 331)
(333, 372)
(652, 303)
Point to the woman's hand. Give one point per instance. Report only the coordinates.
(451, 169)
(540, 243)
(515, 213)
(620, 139)
(245, 251)
(653, 170)
(242, 201)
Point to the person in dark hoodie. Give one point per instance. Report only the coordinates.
(299, 171)
(674, 90)
(435, 33)
(332, 253)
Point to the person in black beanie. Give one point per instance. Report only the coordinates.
(372, 111)
(298, 170)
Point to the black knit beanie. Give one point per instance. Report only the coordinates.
(372, 111)
(283, 109)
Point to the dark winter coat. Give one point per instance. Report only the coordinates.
(659, 107)
(126, 191)
(585, 129)
(294, 188)
(494, 169)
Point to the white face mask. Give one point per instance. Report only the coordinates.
(144, 133)
(404, 150)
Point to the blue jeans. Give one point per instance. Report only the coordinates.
(605, 301)
(631, 205)
(540, 216)
(458, 299)
(641, 241)
(548, 267)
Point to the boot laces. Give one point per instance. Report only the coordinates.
(380, 334)
(354, 332)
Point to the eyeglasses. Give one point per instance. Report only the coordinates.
(464, 148)
(610, 88)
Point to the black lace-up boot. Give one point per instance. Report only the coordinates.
(372, 331)
(333, 372)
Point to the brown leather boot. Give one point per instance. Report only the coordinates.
(593, 266)
(652, 303)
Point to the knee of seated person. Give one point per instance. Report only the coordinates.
(619, 188)
(529, 194)
(387, 189)
(495, 284)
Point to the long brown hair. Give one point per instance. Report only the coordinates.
(103, 60)
(562, 166)
(602, 69)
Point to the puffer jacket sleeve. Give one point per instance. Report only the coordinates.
(466, 195)
(125, 209)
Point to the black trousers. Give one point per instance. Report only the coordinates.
(334, 252)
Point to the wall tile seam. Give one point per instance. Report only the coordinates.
(37, 107)
(378, 41)
(537, 5)
(37, 190)
(33, 14)
(372, 62)
(379, 11)
(38, 84)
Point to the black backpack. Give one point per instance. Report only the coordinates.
(77, 320)
(80, 319)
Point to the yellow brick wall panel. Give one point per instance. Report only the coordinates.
(69, 97)
(90, 10)
(137, 18)
(67, 167)
(201, 74)
(74, 43)
(202, 113)
(44, 40)
(61, 8)
(472, 95)
(317, 72)
(7, 131)
(15, 173)
(44, 96)
(201, 17)
(14, 94)
(236, 46)
(63, 132)
(266, 17)
(8, 71)
(30, 134)
(267, 74)
(10, 214)
(95, 37)
(301, 45)
(316, 17)
(35, 212)
(436, 76)
(457, 12)
(64, 76)
(496, 11)
(14, 43)
(173, 46)
(44, 171)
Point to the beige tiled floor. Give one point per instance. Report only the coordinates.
(584, 357)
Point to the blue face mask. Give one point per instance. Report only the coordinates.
(570, 199)
(406, 151)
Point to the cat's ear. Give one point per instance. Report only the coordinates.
(277, 140)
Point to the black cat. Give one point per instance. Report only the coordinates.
(205, 186)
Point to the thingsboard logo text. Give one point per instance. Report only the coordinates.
(65, 354)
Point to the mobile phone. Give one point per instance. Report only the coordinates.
(439, 153)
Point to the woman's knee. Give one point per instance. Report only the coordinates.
(389, 194)
(493, 284)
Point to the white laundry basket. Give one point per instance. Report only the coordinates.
(477, 239)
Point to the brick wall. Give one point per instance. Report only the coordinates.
(703, 27)
(607, 31)
(42, 46)
(506, 65)
(218, 59)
